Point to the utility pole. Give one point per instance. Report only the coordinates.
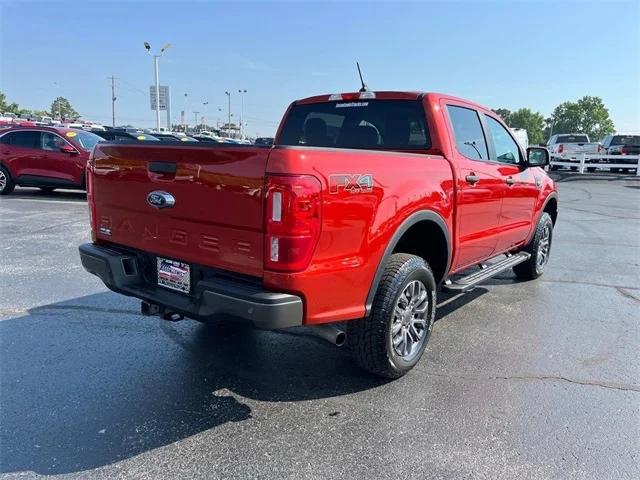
(113, 100)
(195, 118)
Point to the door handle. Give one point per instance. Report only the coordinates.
(472, 179)
(510, 181)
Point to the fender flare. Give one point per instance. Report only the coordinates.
(553, 195)
(414, 218)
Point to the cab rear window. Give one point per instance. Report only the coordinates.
(359, 124)
(572, 139)
(625, 140)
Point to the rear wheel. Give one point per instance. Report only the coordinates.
(539, 248)
(391, 340)
(47, 189)
(6, 183)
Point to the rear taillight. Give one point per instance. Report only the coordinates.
(560, 148)
(293, 216)
(624, 150)
(599, 148)
(90, 203)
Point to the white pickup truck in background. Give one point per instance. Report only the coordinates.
(567, 147)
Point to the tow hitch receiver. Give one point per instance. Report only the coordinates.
(151, 309)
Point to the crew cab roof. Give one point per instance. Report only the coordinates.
(387, 95)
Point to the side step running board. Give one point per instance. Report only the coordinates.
(470, 281)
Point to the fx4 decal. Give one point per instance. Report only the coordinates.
(351, 183)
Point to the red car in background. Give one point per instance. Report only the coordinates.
(44, 157)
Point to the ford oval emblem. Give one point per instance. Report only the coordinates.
(160, 199)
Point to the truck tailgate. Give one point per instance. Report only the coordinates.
(217, 218)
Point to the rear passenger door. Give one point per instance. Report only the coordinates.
(21, 152)
(522, 189)
(480, 188)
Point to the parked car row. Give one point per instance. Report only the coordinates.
(569, 147)
(51, 157)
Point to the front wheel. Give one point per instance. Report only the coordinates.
(6, 183)
(391, 340)
(539, 248)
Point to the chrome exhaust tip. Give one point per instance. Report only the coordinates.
(331, 334)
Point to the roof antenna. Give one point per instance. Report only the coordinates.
(364, 88)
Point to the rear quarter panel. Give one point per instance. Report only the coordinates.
(357, 225)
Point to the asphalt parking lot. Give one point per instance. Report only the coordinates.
(535, 380)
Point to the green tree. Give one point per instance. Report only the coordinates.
(8, 107)
(532, 122)
(588, 115)
(504, 114)
(61, 108)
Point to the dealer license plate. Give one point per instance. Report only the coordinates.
(174, 275)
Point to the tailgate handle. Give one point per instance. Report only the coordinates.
(163, 167)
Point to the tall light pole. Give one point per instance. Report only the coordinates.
(228, 94)
(205, 108)
(241, 92)
(155, 66)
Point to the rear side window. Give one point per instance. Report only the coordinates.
(467, 130)
(572, 139)
(361, 124)
(24, 139)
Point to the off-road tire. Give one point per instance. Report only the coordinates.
(370, 338)
(531, 269)
(8, 182)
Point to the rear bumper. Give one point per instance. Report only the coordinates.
(214, 296)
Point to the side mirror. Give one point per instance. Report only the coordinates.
(537, 157)
(68, 149)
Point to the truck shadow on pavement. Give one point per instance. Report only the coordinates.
(83, 386)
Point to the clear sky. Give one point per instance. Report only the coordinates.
(514, 54)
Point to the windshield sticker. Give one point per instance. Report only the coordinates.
(352, 104)
(71, 134)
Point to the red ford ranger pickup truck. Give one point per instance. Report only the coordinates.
(363, 206)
